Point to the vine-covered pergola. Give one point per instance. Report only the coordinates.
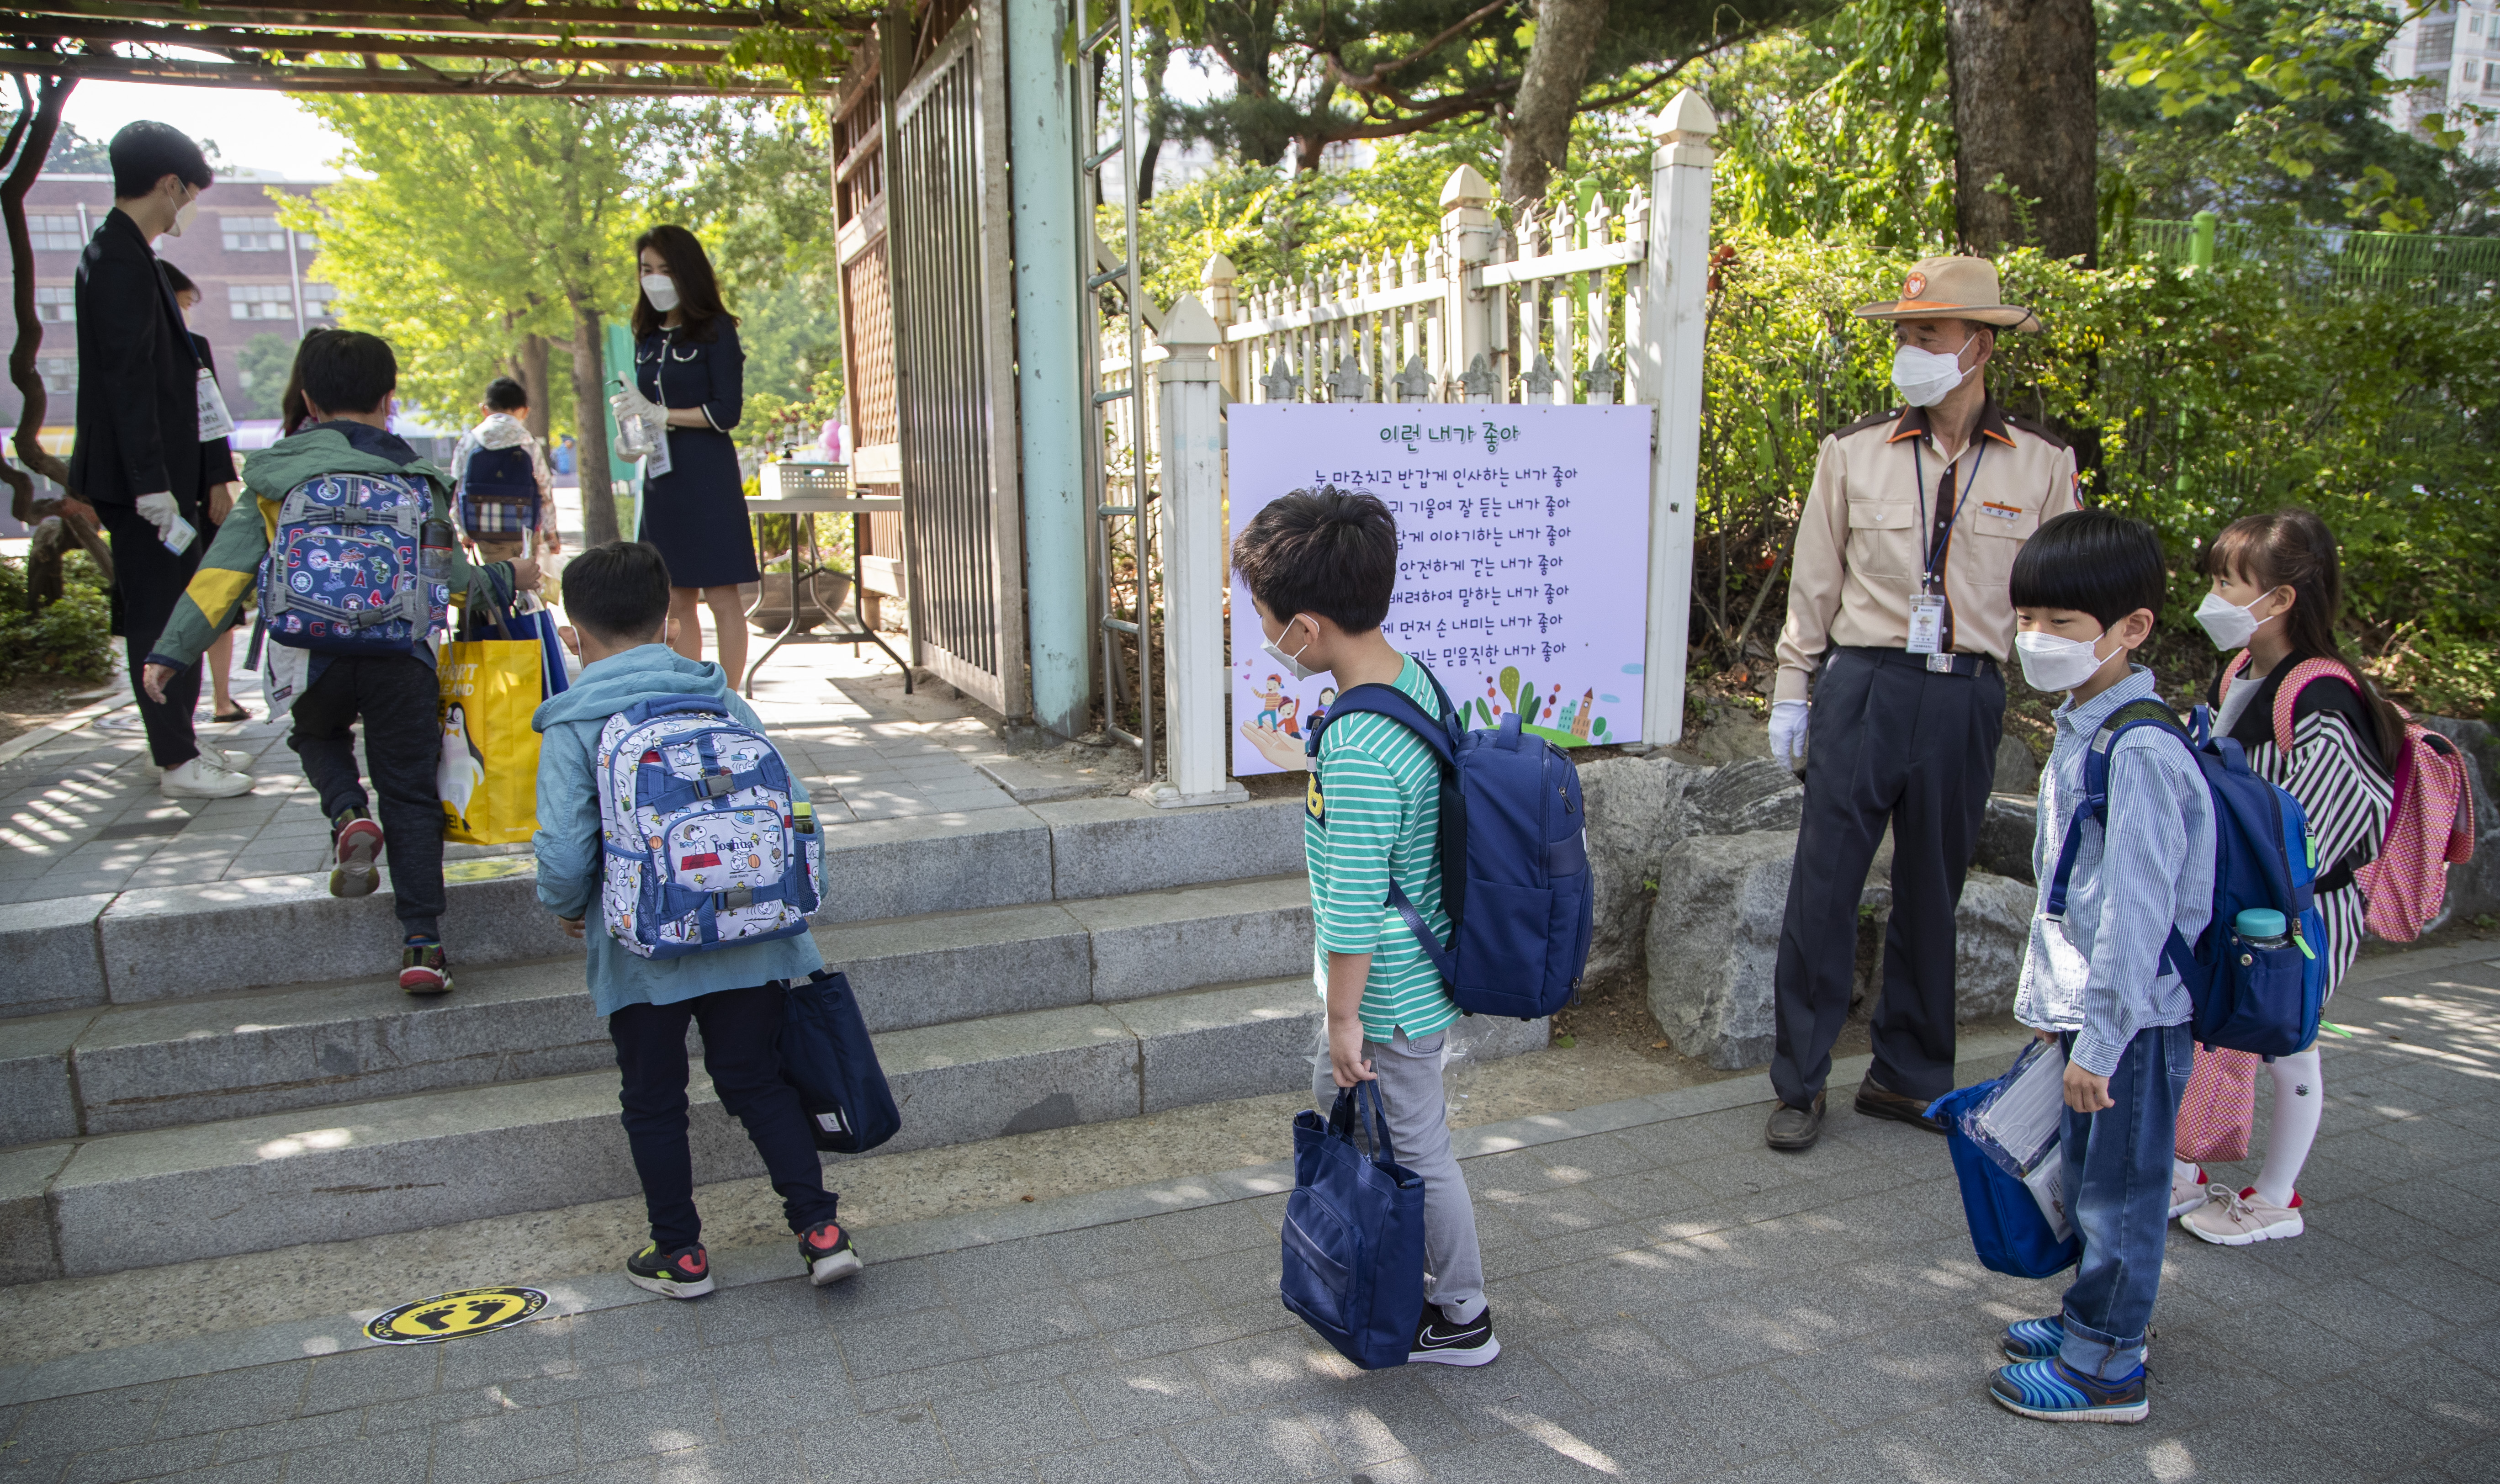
(672, 49)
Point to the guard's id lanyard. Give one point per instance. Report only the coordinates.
(1927, 609)
(215, 420)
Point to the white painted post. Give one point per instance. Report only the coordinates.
(1190, 422)
(1669, 349)
(1219, 277)
(1468, 233)
(1601, 388)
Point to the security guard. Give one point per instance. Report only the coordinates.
(1898, 590)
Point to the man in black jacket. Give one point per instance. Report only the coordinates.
(139, 459)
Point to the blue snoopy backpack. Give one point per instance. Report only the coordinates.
(341, 574)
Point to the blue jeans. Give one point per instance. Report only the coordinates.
(741, 1045)
(2118, 1192)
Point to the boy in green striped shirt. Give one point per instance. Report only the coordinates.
(1320, 568)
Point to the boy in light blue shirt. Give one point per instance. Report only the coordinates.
(2086, 590)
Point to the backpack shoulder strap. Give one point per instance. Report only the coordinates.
(1399, 706)
(2286, 696)
(2231, 672)
(2147, 713)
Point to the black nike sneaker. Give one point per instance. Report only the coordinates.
(685, 1273)
(827, 1250)
(1444, 1344)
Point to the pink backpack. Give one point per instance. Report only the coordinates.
(2430, 826)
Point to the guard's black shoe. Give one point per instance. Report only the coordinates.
(685, 1273)
(1794, 1128)
(1439, 1343)
(1877, 1101)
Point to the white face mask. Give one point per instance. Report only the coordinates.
(184, 215)
(661, 291)
(2052, 663)
(1293, 666)
(1926, 378)
(2229, 625)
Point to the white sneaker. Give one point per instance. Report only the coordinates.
(2185, 1194)
(204, 777)
(2236, 1221)
(236, 762)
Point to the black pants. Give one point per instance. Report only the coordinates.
(150, 580)
(741, 1031)
(1886, 743)
(398, 698)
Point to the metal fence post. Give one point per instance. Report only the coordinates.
(1673, 322)
(1190, 398)
(1467, 237)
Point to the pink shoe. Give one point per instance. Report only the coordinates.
(355, 846)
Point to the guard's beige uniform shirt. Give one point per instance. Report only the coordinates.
(1861, 540)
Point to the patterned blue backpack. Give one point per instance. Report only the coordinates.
(341, 576)
(706, 842)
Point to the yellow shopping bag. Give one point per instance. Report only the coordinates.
(488, 777)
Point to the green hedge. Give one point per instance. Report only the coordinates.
(69, 640)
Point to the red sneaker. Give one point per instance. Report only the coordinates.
(827, 1250)
(355, 845)
(423, 971)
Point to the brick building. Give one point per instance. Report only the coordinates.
(254, 274)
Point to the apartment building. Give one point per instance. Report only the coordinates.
(2456, 47)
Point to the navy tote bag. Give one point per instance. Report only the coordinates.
(1354, 1233)
(826, 1055)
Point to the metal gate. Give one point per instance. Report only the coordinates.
(947, 248)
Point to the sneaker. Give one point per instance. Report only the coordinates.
(422, 970)
(355, 844)
(2034, 1340)
(204, 777)
(2053, 1393)
(828, 1254)
(2236, 1221)
(2185, 1194)
(239, 761)
(1794, 1128)
(685, 1273)
(1443, 1343)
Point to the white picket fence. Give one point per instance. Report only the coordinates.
(1464, 319)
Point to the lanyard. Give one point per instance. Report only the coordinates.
(1935, 549)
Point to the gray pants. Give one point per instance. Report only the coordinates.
(1419, 1128)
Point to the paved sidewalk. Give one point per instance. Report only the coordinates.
(79, 813)
(1675, 1303)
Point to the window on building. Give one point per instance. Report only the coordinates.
(56, 234)
(310, 242)
(252, 234)
(260, 301)
(317, 301)
(56, 303)
(59, 373)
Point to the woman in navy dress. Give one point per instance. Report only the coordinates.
(686, 359)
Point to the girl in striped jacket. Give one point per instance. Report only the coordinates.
(2278, 589)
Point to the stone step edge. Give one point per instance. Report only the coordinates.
(742, 1266)
(69, 952)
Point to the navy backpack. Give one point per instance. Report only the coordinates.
(499, 477)
(1514, 857)
(2247, 997)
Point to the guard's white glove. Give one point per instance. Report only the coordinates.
(1787, 734)
(160, 511)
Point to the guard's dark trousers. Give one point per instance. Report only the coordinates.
(1888, 741)
(151, 579)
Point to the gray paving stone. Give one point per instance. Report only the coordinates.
(1139, 1398)
(145, 1460)
(881, 1448)
(1146, 1459)
(496, 1450)
(271, 1438)
(1013, 1422)
(102, 1419)
(231, 1398)
(653, 1420)
(914, 1342)
(366, 1377)
(775, 1458)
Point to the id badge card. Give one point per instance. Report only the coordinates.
(1927, 624)
(215, 421)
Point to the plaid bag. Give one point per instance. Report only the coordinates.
(2218, 1111)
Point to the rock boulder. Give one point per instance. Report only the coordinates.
(2474, 886)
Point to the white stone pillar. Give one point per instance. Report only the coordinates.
(1670, 351)
(1190, 416)
(1468, 233)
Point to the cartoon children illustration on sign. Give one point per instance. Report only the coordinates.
(1270, 699)
(1285, 717)
(1327, 698)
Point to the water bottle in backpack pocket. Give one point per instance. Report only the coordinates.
(345, 573)
(704, 839)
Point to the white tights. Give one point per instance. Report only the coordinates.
(2299, 1102)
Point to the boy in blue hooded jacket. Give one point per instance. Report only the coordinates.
(618, 597)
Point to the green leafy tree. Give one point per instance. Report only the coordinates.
(469, 224)
(260, 374)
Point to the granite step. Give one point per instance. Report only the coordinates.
(247, 1053)
(115, 1201)
(183, 941)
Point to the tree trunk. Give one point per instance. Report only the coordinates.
(29, 143)
(590, 423)
(1154, 63)
(2024, 91)
(1549, 95)
(531, 366)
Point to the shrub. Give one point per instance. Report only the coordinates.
(69, 640)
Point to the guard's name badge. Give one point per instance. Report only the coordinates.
(215, 421)
(2000, 511)
(1927, 625)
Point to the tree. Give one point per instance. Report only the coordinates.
(1567, 32)
(2025, 85)
(262, 369)
(473, 224)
